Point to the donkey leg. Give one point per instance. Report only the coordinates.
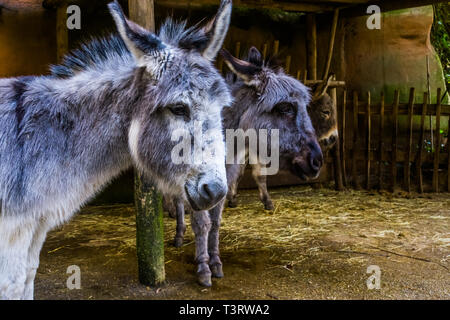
(181, 225)
(16, 234)
(213, 241)
(201, 224)
(261, 181)
(33, 257)
(232, 191)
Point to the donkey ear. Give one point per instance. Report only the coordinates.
(216, 30)
(255, 57)
(138, 40)
(243, 69)
(322, 88)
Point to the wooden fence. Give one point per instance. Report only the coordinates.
(376, 153)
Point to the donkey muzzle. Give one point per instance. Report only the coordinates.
(308, 164)
(205, 193)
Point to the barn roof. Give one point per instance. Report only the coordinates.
(287, 5)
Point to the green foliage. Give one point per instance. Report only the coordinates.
(440, 36)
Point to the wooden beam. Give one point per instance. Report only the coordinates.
(331, 45)
(149, 214)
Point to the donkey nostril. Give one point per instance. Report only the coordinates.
(207, 191)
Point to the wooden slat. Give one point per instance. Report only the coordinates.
(421, 142)
(337, 149)
(355, 141)
(368, 142)
(395, 140)
(381, 144)
(288, 64)
(343, 137)
(276, 47)
(408, 161)
(437, 146)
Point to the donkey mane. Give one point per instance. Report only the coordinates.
(112, 49)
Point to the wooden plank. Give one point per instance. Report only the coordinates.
(148, 202)
(437, 146)
(333, 83)
(407, 165)
(343, 137)
(368, 142)
(381, 143)
(421, 142)
(305, 77)
(62, 33)
(311, 45)
(395, 140)
(355, 141)
(331, 44)
(299, 74)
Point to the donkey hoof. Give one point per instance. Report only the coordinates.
(204, 279)
(232, 204)
(178, 242)
(217, 271)
(269, 206)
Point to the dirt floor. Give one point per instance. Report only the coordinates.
(317, 244)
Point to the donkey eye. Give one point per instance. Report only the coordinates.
(284, 108)
(180, 110)
(326, 113)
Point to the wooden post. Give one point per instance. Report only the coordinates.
(395, 139)
(331, 45)
(448, 160)
(343, 136)
(422, 140)
(408, 159)
(381, 144)
(355, 141)
(149, 215)
(337, 150)
(368, 141)
(311, 45)
(437, 147)
(62, 33)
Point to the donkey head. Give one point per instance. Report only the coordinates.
(180, 95)
(274, 100)
(323, 113)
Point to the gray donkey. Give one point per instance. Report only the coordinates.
(323, 114)
(265, 99)
(112, 104)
